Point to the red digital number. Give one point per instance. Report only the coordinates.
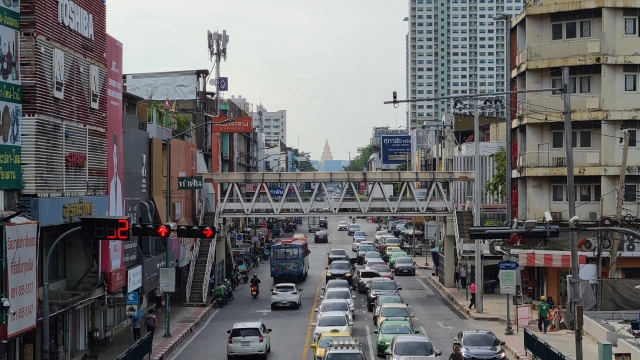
(123, 229)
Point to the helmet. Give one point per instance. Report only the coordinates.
(255, 275)
(542, 298)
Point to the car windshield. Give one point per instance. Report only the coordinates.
(373, 255)
(340, 266)
(369, 274)
(404, 260)
(396, 329)
(338, 252)
(334, 306)
(344, 357)
(394, 312)
(389, 300)
(343, 223)
(383, 285)
(413, 348)
(358, 240)
(325, 340)
(338, 295)
(359, 233)
(337, 284)
(367, 248)
(332, 321)
(381, 233)
(392, 241)
(381, 268)
(478, 340)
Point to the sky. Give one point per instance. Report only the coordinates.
(329, 63)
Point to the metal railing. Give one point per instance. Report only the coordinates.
(563, 49)
(540, 349)
(141, 350)
(210, 260)
(196, 248)
(558, 158)
(548, 104)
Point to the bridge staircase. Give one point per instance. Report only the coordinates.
(462, 221)
(202, 260)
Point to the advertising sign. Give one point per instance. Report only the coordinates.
(10, 97)
(132, 297)
(396, 150)
(134, 278)
(276, 191)
(378, 132)
(58, 73)
(130, 250)
(114, 126)
(507, 282)
(117, 279)
(111, 255)
(168, 279)
(22, 276)
(242, 124)
(94, 86)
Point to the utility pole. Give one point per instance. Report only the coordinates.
(438, 223)
(576, 297)
(620, 198)
(476, 205)
(218, 50)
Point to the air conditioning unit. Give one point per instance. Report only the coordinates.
(593, 216)
(556, 216)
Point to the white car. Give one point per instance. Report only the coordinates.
(378, 236)
(341, 293)
(332, 305)
(332, 320)
(249, 338)
(285, 294)
(343, 225)
(356, 244)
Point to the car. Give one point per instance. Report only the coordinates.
(345, 350)
(372, 255)
(339, 269)
(405, 266)
(352, 229)
(323, 222)
(481, 344)
(362, 278)
(384, 299)
(321, 236)
(378, 236)
(337, 254)
(371, 262)
(336, 284)
(364, 247)
(383, 239)
(394, 256)
(325, 338)
(393, 310)
(302, 237)
(359, 235)
(391, 249)
(285, 294)
(383, 269)
(388, 329)
(343, 225)
(249, 338)
(344, 294)
(380, 286)
(334, 305)
(333, 320)
(404, 347)
(356, 244)
(392, 241)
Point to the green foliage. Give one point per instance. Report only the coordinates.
(167, 119)
(360, 161)
(305, 166)
(497, 184)
(493, 222)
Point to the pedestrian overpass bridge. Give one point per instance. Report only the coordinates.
(282, 194)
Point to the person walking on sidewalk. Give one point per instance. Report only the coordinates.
(151, 322)
(136, 324)
(158, 295)
(456, 354)
(473, 295)
(463, 276)
(543, 311)
(456, 277)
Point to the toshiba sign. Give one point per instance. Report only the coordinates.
(76, 18)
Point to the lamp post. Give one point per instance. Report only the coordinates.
(167, 141)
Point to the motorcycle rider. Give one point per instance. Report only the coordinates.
(255, 281)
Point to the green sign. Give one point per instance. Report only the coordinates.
(10, 167)
(224, 106)
(508, 277)
(190, 183)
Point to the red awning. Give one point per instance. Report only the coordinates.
(545, 259)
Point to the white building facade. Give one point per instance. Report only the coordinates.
(274, 124)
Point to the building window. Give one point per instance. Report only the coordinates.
(585, 138)
(630, 192)
(557, 139)
(632, 137)
(585, 28)
(630, 82)
(557, 193)
(585, 193)
(597, 192)
(585, 84)
(630, 26)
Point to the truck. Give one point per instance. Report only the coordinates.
(313, 222)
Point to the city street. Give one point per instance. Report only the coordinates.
(292, 329)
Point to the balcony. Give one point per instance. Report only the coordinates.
(558, 158)
(535, 104)
(556, 53)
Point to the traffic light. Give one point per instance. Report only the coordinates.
(151, 230)
(105, 227)
(196, 232)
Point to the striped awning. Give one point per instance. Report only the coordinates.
(546, 259)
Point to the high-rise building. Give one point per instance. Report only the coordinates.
(454, 48)
(273, 123)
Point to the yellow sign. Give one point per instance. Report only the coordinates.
(77, 209)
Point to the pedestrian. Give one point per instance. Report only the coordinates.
(550, 302)
(456, 354)
(473, 294)
(151, 322)
(456, 277)
(543, 311)
(136, 324)
(158, 294)
(463, 276)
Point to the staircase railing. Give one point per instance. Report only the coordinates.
(456, 230)
(196, 248)
(210, 260)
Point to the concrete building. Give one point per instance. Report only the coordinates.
(453, 48)
(273, 124)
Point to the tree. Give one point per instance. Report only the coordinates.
(497, 184)
(305, 166)
(360, 161)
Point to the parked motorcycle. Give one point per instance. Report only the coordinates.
(245, 277)
(219, 296)
(255, 290)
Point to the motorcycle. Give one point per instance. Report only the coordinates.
(255, 290)
(219, 296)
(378, 227)
(228, 290)
(245, 277)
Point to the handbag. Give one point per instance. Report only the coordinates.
(163, 302)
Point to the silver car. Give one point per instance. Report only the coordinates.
(406, 347)
(343, 294)
(334, 305)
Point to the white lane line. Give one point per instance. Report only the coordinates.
(194, 335)
(426, 288)
(421, 329)
(371, 352)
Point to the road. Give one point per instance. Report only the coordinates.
(292, 329)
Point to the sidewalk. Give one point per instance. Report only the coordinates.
(184, 320)
(494, 318)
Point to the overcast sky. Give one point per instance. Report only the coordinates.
(329, 63)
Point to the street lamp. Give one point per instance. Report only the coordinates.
(167, 141)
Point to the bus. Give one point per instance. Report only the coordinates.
(289, 260)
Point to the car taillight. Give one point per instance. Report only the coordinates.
(294, 293)
(261, 337)
(274, 293)
(230, 339)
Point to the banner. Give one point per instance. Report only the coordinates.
(241, 124)
(114, 126)
(395, 149)
(22, 276)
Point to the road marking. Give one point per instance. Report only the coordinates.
(371, 352)
(263, 311)
(315, 305)
(426, 288)
(444, 327)
(423, 331)
(195, 335)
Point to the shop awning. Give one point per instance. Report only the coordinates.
(548, 259)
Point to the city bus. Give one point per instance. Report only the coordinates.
(289, 260)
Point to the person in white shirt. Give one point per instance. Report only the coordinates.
(115, 186)
(463, 276)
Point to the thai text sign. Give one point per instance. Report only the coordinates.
(396, 150)
(22, 276)
(190, 183)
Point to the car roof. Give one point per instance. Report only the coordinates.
(402, 257)
(334, 281)
(285, 284)
(334, 333)
(396, 305)
(412, 338)
(243, 325)
(339, 289)
(389, 297)
(340, 262)
(333, 301)
(368, 270)
(396, 320)
(334, 249)
(372, 252)
(382, 279)
(466, 332)
(367, 242)
(332, 313)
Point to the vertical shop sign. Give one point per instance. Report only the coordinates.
(10, 97)
(22, 277)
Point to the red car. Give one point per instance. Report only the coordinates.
(384, 270)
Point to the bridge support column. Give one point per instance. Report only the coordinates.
(449, 242)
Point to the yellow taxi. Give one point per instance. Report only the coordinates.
(324, 339)
(392, 248)
(302, 237)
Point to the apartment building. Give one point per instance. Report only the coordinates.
(454, 48)
(598, 41)
(274, 125)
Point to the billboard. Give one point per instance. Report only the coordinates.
(395, 149)
(22, 276)
(242, 124)
(378, 132)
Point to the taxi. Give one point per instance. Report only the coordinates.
(324, 339)
(302, 237)
(391, 249)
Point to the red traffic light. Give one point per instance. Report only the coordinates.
(151, 230)
(207, 232)
(163, 231)
(196, 232)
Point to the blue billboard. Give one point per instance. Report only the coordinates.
(395, 149)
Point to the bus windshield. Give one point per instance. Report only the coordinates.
(286, 253)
